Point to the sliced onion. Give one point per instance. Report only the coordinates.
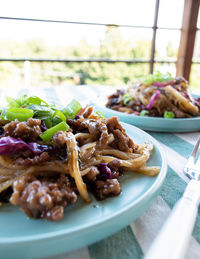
(163, 84)
(152, 100)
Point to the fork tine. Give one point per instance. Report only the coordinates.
(194, 152)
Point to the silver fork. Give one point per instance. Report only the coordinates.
(173, 239)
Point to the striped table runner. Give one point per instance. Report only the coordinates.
(134, 240)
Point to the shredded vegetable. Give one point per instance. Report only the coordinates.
(152, 100)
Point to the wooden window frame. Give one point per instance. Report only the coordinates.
(187, 39)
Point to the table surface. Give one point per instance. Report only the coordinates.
(134, 240)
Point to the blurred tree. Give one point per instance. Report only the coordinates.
(171, 51)
(112, 46)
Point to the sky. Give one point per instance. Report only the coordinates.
(129, 12)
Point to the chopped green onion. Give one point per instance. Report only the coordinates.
(36, 100)
(126, 98)
(20, 114)
(156, 77)
(40, 111)
(2, 118)
(72, 109)
(168, 115)
(58, 117)
(48, 134)
(144, 113)
(24, 100)
(100, 114)
(48, 122)
(12, 102)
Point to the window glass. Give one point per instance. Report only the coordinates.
(170, 13)
(167, 44)
(195, 78)
(164, 68)
(132, 12)
(196, 53)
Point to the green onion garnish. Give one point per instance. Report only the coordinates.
(168, 115)
(100, 114)
(126, 98)
(144, 113)
(48, 134)
(58, 117)
(156, 77)
(20, 114)
(72, 109)
(40, 111)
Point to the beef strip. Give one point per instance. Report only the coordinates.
(121, 140)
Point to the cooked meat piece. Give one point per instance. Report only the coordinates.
(33, 161)
(91, 176)
(121, 139)
(104, 189)
(3, 123)
(88, 112)
(96, 128)
(28, 130)
(44, 198)
(114, 165)
(113, 123)
(59, 139)
(76, 124)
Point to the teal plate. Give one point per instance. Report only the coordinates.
(82, 224)
(152, 123)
